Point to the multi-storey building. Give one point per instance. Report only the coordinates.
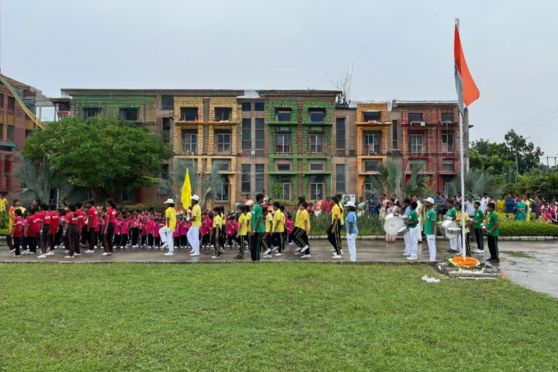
(287, 142)
(429, 138)
(15, 126)
(373, 142)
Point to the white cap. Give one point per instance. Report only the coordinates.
(169, 201)
(350, 204)
(250, 202)
(195, 197)
(429, 200)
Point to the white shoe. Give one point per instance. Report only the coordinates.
(298, 249)
(411, 258)
(406, 254)
(267, 256)
(77, 254)
(169, 254)
(42, 256)
(68, 256)
(278, 254)
(12, 251)
(194, 254)
(106, 254)
(305, 256)
(275, 249)
(163, 246)
(214, 257)
(336, 256)
(89, 251)
(50, 253)
(268, 251)
(304, 249)
(27, 251)
(479, 252)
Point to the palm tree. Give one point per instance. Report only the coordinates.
(479, 183)
(390, 180)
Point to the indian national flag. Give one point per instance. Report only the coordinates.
(467, 91)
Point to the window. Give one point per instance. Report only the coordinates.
(448, 166)
(245, 184)
(222, 165)
(11, 104)
(340, 134)
(259, 106)
(316, 166)
(316, 114)
(1, 100)
(223, 193)
(284, 167)
(340, 178)
(2, 131)
(395, 136)
(316, 143)
(28, 132)
(316, 187)
(260, 176)
(415, 143)
(223, 113)
(128, 114)
(11, 133)
(447, 142)
(165, 171)
(371, 165)
(283, 144)
(416, 164)
(246, 134)
(190, 141)
(371, 116)
(447, 117)
(369, 186)
(285, 183)
(91, 112)
(166, 129)
(223, 140)
(371, 143)
(283, 114)
(189, 113)
(167, 102)
(246, 106)
(260, 140)
(415, 116)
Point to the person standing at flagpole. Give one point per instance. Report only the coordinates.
(467, 93)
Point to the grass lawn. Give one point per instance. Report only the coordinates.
(287, 316)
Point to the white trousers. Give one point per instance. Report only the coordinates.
(414, 233)
(167, 237)
(453, 243)
(194, 238)
(407, 243)
(351, 243)
(431, 240)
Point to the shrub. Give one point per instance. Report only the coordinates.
(524, 228)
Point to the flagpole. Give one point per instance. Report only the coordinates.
(462, 166)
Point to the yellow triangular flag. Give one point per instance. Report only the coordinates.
(185, 198)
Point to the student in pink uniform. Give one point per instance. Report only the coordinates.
(156, 234)
(124, 230)
(150, 230)
(232, 227)
(118, 231)
(184, 227)
(17, 232)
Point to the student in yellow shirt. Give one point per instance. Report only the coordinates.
(266, 241)
(301, 230)
(194, 232)
(242, 231)
(278, 229)
(334, 230)
(467, 231)
(166, 232)
(216, 233)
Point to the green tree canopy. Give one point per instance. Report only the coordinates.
(106, 156)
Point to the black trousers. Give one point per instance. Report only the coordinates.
(73, 239)
(45, 238)
(333, 237)
(493, 247)
(135, 235)
(108, 238)
(256, 245)
(479, 238)
(92, 239)
(17, 245)
(279, 241)
(301, 238)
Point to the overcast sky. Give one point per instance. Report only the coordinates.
(398, 49)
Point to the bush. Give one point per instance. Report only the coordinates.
(3, 232)
(4, 218)
(527, 228)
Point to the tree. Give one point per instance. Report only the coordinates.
(106, 156)
(479, 183)
(526, 155)
(390, 180)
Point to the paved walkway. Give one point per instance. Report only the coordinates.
(533, 264)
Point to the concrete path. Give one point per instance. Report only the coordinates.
(533, 264)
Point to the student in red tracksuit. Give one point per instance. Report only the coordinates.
(44, 230)
(72, 232)
(108, 229)
(92, 226)
(54, 225)
(17, 232)
(82, 217)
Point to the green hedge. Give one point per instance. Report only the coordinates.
(531, 228)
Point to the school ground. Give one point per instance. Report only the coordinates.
(287, 316)
(533, 264)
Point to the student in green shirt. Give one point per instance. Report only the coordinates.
(430, 227)
(412, 225)
(478, 219)
(492, 231)
(258, 228)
